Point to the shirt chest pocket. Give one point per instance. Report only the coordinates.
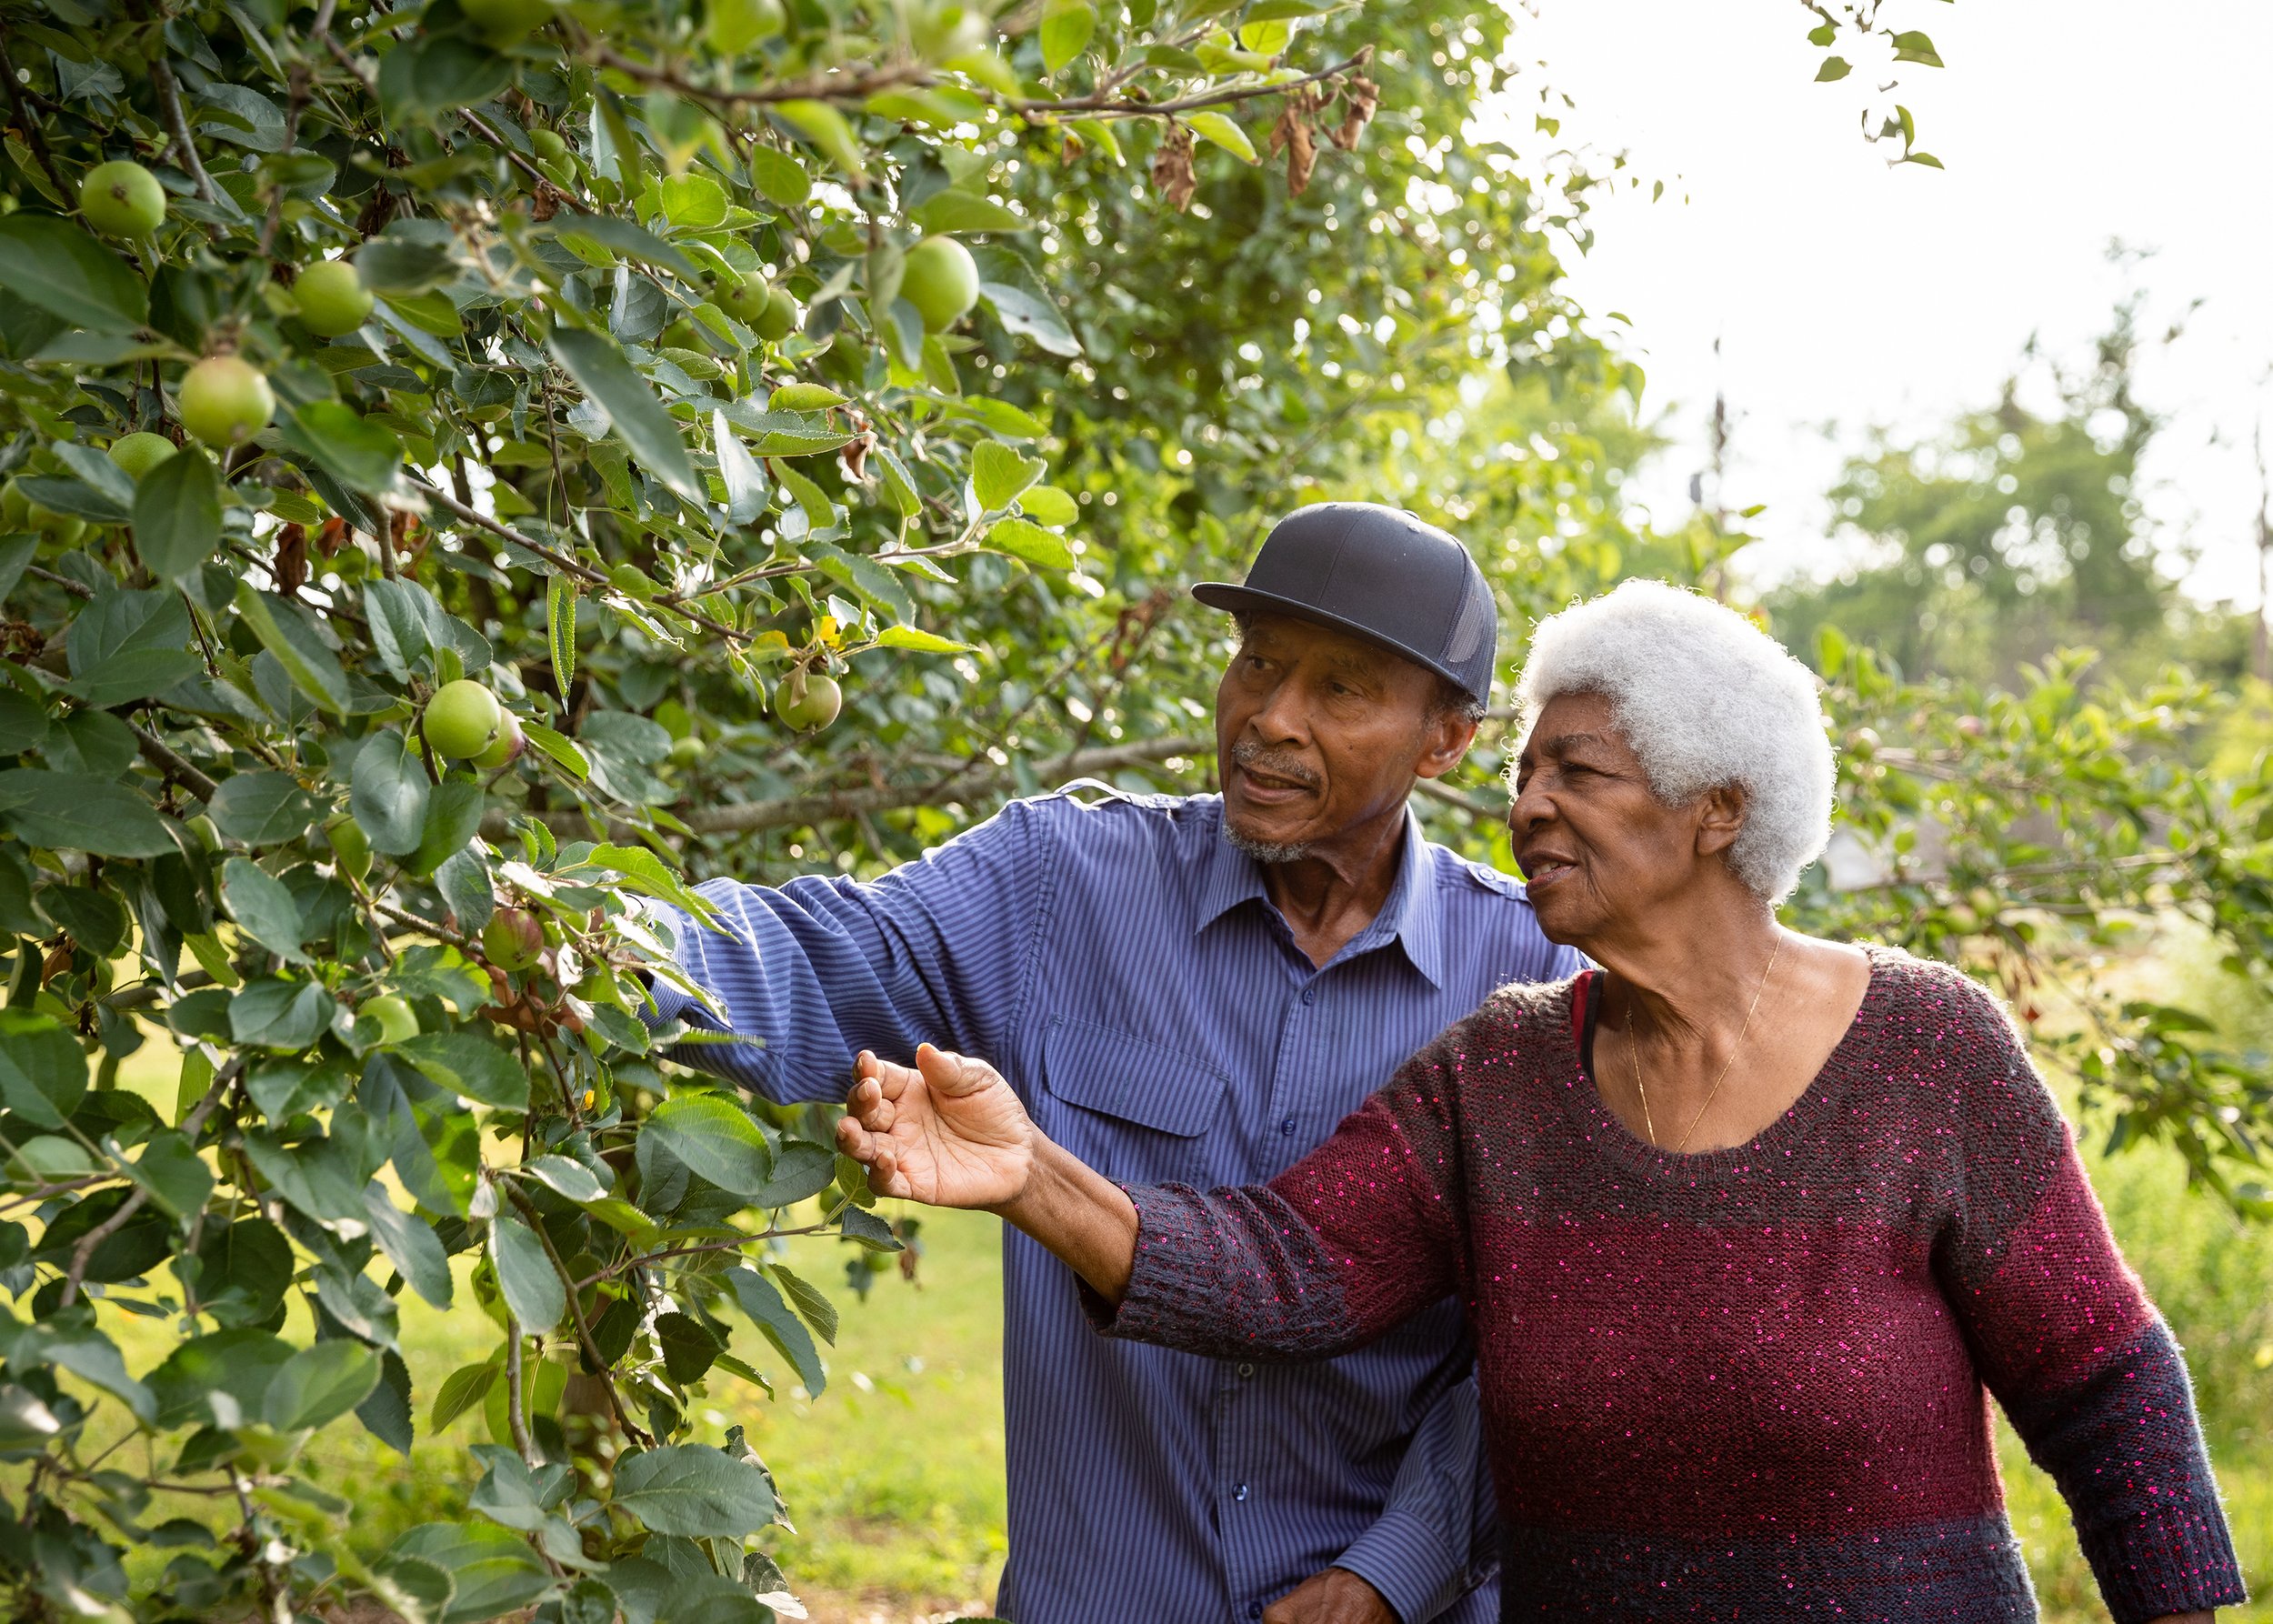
(1140, 1108)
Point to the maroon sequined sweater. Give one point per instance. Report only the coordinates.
(1746, 1384)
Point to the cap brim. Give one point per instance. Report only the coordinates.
(1233, 599)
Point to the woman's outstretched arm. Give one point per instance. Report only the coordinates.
(948, 1132)
(1354, 1239)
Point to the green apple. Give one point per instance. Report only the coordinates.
(686, 752)
(547, 145)
(225, 401)
(461, 720)
(506, 747)
(140, 452)
(349, 845)
(747, 300)
(806, 703)
(333, 300)
(208, 832)
(508, 22)
(512, 939)
(941, 280)
(779, 318)
(398, 1022)
(122, 199)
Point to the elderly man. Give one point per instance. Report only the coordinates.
(1197, 989)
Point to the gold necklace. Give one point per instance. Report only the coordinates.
(1633, 1053)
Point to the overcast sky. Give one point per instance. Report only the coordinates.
(1846, 292)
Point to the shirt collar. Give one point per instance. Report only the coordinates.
(1411, 916)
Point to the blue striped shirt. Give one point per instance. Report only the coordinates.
(1121, 964)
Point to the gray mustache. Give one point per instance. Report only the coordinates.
(1250, 753)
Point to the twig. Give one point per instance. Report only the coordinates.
(167, 760)
(528, 1210)
(481, 128)
(74, 589)
(517, 1416)
(296, 98)
(403, 915)
(83, 1253)
(170, 106)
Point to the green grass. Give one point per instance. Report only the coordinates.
(894, 1474)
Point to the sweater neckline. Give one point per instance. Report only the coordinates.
(1601, 1128)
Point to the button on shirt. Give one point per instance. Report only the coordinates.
(1122, 964)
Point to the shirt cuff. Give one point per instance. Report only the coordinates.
(671, 1001)
(1407, 1560)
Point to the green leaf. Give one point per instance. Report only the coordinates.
(525, 1275)
(76, 498)
(739, 472)
(570, 1180)
(360, 454)
(177, 1176)
(694, 1491)
(129, 645)
(689, 1346)
(693, 202)
(819, 510)
(263, 809)
(1046, 504)
(1833, 68)
(1914, 46)
(263, 907)
(614, 235)
(81, 812)
(1020, 301)
(272, 1012)
(560, 621)
(919, 642)
(803, 397)
(715, 1139)
(1224, 133)
(642, 870)
(826, 129)
(42, 1070)
(778, 178)
(491, 1570)
(639, 420)
(756, 1296)
(866, 1229)
(454, 815)
(474, 1066)
(1926, 159)
(998, 473)
(410, 1245)
(462, 1389)
(957, 210)
(313, 668)
(1067, 25)
(389, 793)
(319, 1384)
(562, 752)
(802, 1170)
(817, 1310)
(52, 264)
(1030, 542)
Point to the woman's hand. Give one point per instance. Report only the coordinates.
(947, 1132)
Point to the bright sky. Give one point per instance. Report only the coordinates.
(1843, 291)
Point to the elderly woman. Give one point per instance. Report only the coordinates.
(1746, 1222)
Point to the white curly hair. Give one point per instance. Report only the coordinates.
(1706, 698)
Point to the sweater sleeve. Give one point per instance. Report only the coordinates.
(1358, 1236)
(2064, 1335)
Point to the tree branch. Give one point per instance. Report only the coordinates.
(167, 760)
(170, 104)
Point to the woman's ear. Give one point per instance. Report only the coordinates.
(1720, 818)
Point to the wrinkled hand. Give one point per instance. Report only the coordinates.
(947, 1131)
(1337, 1596)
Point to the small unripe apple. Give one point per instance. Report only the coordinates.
(806, 703)
(686, 752)
(461, 720)
(122, 198)
(779, 318)
(350, 846)
(19, 512)
(225, 401)
(140, 452)
(548, 145)
(208, 832)
(332, 298)
(506, 747)
(512, 939)
(746, 301)
(398, 1022)
(941, 280)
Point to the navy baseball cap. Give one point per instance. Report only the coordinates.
(1382, 575)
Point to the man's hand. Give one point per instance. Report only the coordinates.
(1333, 1597)
(947, 1132)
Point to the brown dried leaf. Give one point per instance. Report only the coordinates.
(1172, 167)
(1292, 134)
(291, 569)
(1360, 97)
(549, 197)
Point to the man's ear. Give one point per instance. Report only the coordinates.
(1720, 818)
(1444, 741)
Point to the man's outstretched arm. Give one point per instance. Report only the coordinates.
(804, 976)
